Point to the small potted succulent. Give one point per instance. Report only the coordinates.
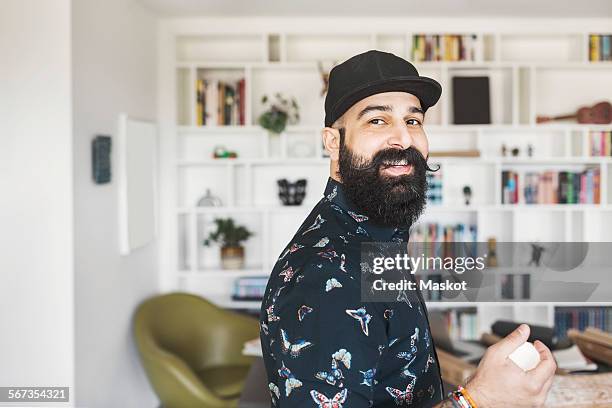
(279, 113)
(229, 235)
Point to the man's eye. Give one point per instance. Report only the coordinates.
(373, 121)
(415, 120)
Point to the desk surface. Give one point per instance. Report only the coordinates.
(576, 391)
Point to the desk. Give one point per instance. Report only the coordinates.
(572, 390)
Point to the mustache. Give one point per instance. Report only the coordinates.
(410, 155)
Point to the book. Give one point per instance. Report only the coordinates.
(471, 100)
(572, 359)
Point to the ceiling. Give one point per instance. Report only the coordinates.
(397, 8)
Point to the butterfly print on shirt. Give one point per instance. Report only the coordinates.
(332, 377)
(362, 317)
(294, 349)
(324, 402)
(331, 284)
(322, 242)
(288, 274)
(291, 382)
(315, 225)
(290, 250)
(343, 356)
(303, 311)
(403, 397)
(358, 217)
(368, 376)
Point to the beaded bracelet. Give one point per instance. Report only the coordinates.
(468, 397)
(461, 398)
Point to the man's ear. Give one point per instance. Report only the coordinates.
(331, 141)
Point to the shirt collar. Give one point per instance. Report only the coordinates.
(335, 194)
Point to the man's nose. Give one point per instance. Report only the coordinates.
(400, 137)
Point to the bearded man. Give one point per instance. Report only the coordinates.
(323, 345)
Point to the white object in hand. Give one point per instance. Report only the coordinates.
(526, 356)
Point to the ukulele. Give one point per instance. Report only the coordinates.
(600, 113)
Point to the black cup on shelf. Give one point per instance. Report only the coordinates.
(291, 193)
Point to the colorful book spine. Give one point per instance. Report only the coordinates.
(446, 47)
(582, 317)
(219, 102)
(599, 47)
(600, 143)
(552, 187)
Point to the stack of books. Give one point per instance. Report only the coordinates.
(434, 47)
(434, 190)
(220, 103)
(515, 286)
(436, 232)
(599, 47)
(552, 187)
(462, 324)
(249, 288)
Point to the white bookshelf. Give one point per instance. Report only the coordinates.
(525, 70)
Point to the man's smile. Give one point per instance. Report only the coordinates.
(397, 170)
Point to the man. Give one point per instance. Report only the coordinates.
(324, 346)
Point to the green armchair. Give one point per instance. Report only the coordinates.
(191, 350)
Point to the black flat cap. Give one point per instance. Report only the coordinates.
(374, 72)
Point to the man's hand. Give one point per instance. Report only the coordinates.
(498, 382)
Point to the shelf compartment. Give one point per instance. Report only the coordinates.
(556, 47)
(209, 257)
(325, 47)
(304, 84)
(194, 181)
(393, 43)
(220, 47)
(195, 146)
(480, 176)
(496, 224)
(531, 225)
(266, 193)
(554, 100)
(500, 91)
(546, 143)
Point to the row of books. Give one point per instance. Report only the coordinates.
(552, 187)
(249, 288)
(600, 143)
(434, 47)
(515, 286)
(599, 47)
(582, 317)
(434, 189)
(436, 232)
(462, 324)
(220, 103)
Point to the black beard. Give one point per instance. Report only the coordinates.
(392, 201)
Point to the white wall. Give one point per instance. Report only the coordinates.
(36, 237)
(114, 59)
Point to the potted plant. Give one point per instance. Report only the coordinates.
(229, 236)
(279, 113)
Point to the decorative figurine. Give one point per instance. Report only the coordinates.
(291, 193)
(209, 200)
(492, 254)
(503, 150)
(515, 151)
(536, 254)
(220, 152)
(467, 194)
(530, 150)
